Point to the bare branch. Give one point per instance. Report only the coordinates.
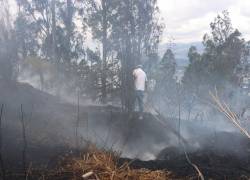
(224, 108)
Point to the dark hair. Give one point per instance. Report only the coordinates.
(138, 66)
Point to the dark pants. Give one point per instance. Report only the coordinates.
(139, 98)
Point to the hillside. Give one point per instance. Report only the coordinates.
(50, 127)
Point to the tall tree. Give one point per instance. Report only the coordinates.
(56, 37)
(127, 31)
(168, 64)
(53, 31)
(165, 92)
(165, 72)
(136, 33)
(8, 52)
(99, 20)
(68, 24)
(224, 49)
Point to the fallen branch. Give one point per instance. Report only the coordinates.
(87, 175)
(194, 165)
(225, 109)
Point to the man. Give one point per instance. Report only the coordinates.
(140, 79)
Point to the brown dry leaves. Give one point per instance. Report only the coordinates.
(101, 165)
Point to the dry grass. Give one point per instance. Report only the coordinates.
(102, 165)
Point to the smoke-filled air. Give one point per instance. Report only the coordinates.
(124, 89)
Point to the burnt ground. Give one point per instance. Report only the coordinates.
(51, 134)
(211, 164)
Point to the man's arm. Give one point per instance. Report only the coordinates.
(146, 83)
(134, 75)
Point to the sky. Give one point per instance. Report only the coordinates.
(188, 20)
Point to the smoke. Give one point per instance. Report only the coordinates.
(200, 123)
(53, 122)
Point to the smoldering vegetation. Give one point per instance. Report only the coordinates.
(52, 131)
(59, 93)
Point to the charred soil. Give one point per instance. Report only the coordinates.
(51, 151)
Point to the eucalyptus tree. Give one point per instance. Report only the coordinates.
(8, 50)
(166, 89)
(224, 49)
(217, 66)
(49, 30)
(136, 33)
(99, 17)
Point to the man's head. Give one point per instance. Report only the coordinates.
(138, 66)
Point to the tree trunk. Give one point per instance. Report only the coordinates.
(53, 31)
(104, 52)
(54, 46)
(128, 62)
(68, 30)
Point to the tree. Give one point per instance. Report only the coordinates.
(68, 21)
(193, 55)
(215, 67)
(192, 81)
(47, 29)
(223, 49)
(195, 72)
(166, 88)
(165, 72)
(26, 38)
(8, 51)
(168, 64)
(99, 17)
(136, 32)
(126, 30)
(88, 71)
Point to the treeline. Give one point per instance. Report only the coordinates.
(220, 67)
(92, 46)
(48, 37)
(224, 60)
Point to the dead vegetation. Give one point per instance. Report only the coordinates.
(230, 115)
(93, 165)
(102, 165)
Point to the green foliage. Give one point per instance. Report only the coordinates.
(216, 66)
(53, 32)
(168, 64)
(136, 32)
(166, 88)
(127, 31)
(165, 71)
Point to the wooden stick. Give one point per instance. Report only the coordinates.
(24, 140)
(1, 153)
(87, 175)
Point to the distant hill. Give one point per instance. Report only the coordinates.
(181, 50)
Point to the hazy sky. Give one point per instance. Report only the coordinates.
(188, 20)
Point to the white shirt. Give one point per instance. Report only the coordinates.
(140, 79)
